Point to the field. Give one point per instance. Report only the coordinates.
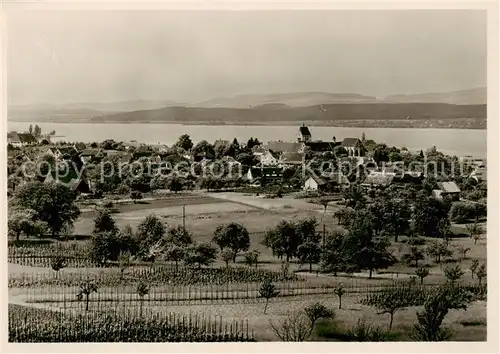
(233, 294)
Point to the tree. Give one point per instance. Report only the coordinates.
(204, 147)
(226, 255)
(52, 203)
(428, 213)
(475, 230)
(345, 216)
(202, 254)
(37, 132)
(463, 251)
(251, 143)
(421, 272)
(453, 274)
(142, 290)
(104, 222)
(416, 254)
(150, 231)
(306, 230)
(252, 258)
(354, 196)
(31, 129)
(309, 252)
(283, 240)
(332, 254)
(179, 236)
(339, 291)
(473, 267)
(316, 311)
(363, 249)
(233, 236)
(58, 262)
(20, 221)
(135, 196)
(124, 262)
(184, 142)
(86, 289)
(267, 291)
(481, 272)
(175, 253)
(105, 246)
(175, 184)
(436, 307)
(439, 250)
(391, 300)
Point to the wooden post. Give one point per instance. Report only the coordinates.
(184, 217)
(324, 234)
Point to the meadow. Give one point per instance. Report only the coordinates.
(219, 291)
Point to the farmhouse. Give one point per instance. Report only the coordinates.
(80, 146)
(265, 174)
(267, 159)
(259, 150)
(291, 159)
(21, 139)
(283, 146)
(70, 180)
(89, 155)
(315, 183)
(449, 188)
(411, 177)
(62, 151)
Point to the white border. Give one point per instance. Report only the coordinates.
(318, 347)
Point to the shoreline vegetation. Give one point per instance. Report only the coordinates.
(458, 123)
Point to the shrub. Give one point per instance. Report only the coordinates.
(463, 211)
(481, 272)
(294, 328)
(421, 272)
(453, 274)
(363, 332)
(316, 311)
(469, 323)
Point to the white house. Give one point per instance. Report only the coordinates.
(314, 183)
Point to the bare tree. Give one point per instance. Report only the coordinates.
(294, 328)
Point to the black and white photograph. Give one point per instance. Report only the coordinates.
(293, 175)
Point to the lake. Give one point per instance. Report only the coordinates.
(460, 142)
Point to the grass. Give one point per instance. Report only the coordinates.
(279, 308)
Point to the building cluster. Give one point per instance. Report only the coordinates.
(275, 160)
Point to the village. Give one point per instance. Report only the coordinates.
(293, 224)
(258, 164)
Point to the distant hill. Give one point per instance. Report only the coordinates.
(464, 97)
(296, 99)
(327, 113)
(120, 106)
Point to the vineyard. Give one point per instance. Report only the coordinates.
(26, 325)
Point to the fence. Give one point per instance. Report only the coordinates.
(198, 294)
(35, 325)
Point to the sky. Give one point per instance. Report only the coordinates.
(106, 56)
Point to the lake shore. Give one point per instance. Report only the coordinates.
(462, 123)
